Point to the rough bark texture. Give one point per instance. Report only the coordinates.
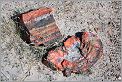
(19, 61)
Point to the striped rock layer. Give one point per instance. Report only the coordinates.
(41, 27)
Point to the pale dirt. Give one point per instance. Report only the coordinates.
(19, 61)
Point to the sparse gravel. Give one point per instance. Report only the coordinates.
(19, 61)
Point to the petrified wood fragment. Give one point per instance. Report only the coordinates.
(38, 27)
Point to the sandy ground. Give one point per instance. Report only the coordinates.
(21, 62)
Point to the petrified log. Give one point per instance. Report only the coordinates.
(38, 27)
(77, 55)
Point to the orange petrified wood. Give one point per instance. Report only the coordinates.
(78, 52)
(85, 49)
(38, 27)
